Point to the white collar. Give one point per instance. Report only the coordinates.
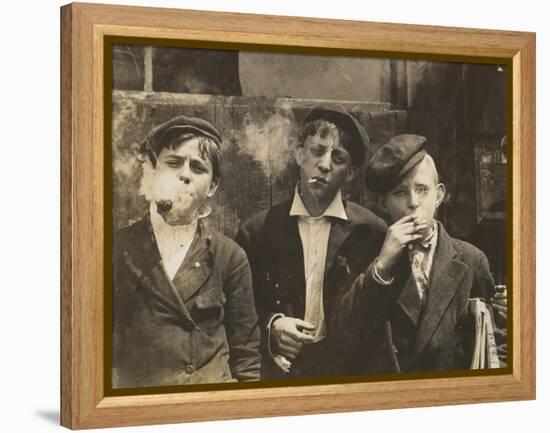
(335, 209)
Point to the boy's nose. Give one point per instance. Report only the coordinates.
(185, 174)
(324, 163)
(414, 201)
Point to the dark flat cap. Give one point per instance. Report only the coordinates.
(393, 160)
(337, 114)
(164, 134)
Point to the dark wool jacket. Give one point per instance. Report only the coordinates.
(387, 329)
(272, 242)
(200, 328)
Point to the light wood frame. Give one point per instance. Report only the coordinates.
(83, 402)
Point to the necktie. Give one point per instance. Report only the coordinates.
(418, 256)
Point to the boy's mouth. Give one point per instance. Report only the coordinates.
(164, 206)
(317, 179)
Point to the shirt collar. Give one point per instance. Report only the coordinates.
(335, 209)
(431, 240)
(427, 244)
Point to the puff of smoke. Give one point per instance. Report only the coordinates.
(175, 202)
(270, 142)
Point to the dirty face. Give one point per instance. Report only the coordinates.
(325, 164)
(418, 193)
(181, 181)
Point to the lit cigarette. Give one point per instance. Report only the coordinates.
(283, 363)
(164, 205)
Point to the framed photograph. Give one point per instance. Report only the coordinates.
(267, 216)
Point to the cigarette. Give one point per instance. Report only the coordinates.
(164, 205)
(312, 180)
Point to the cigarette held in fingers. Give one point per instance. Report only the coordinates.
(283, 363)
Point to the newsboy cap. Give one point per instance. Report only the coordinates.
(337, 114)
(164, 134)
(393, 160)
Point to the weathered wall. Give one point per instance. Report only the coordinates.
(258, 165)
(315, 77)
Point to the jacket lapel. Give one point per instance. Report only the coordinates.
(409, 300)
(284, 238)
(339, 232)
(143, 261)
(446, 275)
(196, 266)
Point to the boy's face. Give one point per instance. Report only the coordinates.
(417, 193)
(325, 165)
(181, 182)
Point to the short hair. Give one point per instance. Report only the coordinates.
(324, 127)
(430, 161)
(208, 148)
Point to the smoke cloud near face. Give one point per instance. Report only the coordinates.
(270, 140)
(174, 201)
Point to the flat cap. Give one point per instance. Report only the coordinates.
(393, 160)
(337, 114)
(164, 134)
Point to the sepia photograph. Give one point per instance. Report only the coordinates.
(293, 218)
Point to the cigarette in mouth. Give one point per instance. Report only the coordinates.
(312, 180)
(164, 205)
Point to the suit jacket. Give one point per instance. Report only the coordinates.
(201, 327)
(272, 242)
(392, 331)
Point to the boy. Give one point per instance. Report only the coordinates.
(303, 250)
(183, 307)
(410, 308)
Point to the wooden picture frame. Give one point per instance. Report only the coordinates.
(84, 28)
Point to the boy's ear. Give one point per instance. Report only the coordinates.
(440, 190)
(351, 173)
(381, 201)
(213, 187)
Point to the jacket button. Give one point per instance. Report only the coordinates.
(276, 285)
(189, 369)
(197, 264)
(278, 302)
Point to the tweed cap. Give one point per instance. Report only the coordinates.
(393, 160)
(164, 134)
(337, 114)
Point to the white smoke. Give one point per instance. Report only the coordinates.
(163, 187)
(270, 141)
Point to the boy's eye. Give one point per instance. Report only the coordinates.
(422, 189)
(318, 151)
(339, 158)
(199, 167)
(173, 163)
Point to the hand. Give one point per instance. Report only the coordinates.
(288, 335)
(403, 232)
(500, 308)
